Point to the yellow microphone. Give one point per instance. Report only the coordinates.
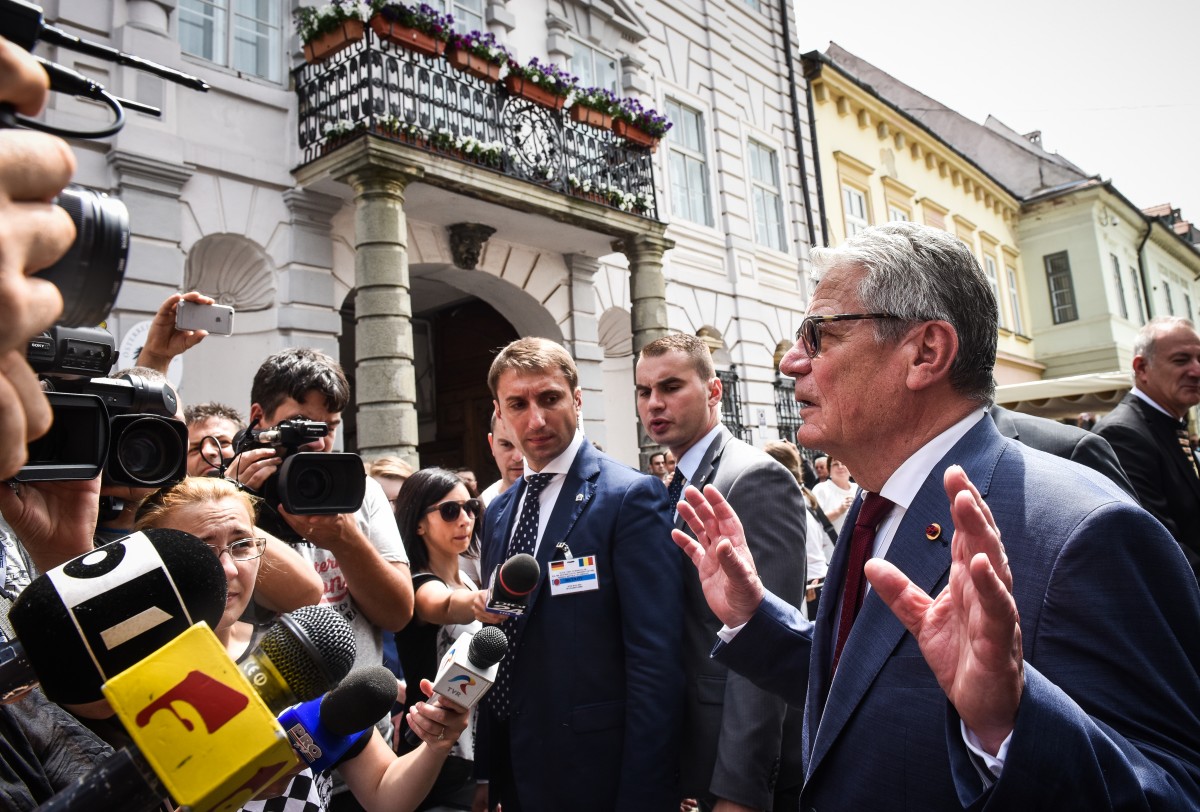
(200, 724)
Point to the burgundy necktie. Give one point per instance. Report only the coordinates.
(862, 542)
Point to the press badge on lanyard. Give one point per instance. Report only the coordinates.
(569, 575)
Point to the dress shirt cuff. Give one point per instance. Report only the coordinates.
(994, 763)
(727, 634)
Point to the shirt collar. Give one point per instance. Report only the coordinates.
(902, 486)
(1154, 405)
(691, 458)
(562, 463)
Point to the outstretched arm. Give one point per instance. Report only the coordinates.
(164, 341)
(970, 633)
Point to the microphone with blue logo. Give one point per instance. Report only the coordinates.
(468, 670)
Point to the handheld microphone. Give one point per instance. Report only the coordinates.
(199, 724)
(301, 657)
(323, 730)
(511, 584)
(468, 670)
(104, 611)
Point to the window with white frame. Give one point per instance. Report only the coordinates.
(1014, 300)
(595, 68)
(1167, 295)
(467, 14)
(897, 214)
(1122, 307)
(854, 205)
(768, 204)
(993, 278)
(1187, 304)
(245, 35)
(1062, 288)
(1137, 294)
(688, 162)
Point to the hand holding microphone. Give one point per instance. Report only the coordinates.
(511, 585)
(465, 674)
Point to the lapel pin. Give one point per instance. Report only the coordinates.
(933, 532)
(579, 497)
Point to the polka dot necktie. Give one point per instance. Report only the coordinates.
(524, 540)
(675, 489)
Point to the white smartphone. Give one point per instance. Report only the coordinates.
(216, 319)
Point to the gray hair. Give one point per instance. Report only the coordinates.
(920, 273)
(1147, 337)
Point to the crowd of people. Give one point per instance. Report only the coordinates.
(951, 607)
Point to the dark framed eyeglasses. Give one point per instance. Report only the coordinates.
(243, 549)
(450, 510)
(809, 333)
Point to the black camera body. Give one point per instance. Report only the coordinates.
(124, 427)
(308, 483)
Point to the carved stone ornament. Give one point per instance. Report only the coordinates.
(233, 270)
(466, 243)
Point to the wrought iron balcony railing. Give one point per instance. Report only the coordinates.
(374, 86)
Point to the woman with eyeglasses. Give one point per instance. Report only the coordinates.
(219, 513)
(836, 494)
(438, 518)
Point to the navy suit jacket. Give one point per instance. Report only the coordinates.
(1109, 715)
(597, 677)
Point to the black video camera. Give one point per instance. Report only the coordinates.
(125, 427)
(308, 482)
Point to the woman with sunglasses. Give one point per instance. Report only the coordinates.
(222, 515)
(437, 518)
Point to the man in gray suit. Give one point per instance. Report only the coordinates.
(741, 746)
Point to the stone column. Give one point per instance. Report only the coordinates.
(648, 305)
(647, 287)
(584, 344)
(386, 381)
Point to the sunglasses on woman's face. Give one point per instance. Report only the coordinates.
(450, 510)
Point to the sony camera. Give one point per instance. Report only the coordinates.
(307, 483)
(124, 427)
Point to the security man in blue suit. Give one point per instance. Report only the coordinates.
(970, 673)
(587, 710)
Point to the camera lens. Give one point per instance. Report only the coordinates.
(313, 486)
(148, 451)
(89, 275)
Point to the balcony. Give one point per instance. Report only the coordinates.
(405, 97)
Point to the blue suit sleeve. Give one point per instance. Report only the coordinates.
(779, 628)
(1109, 715)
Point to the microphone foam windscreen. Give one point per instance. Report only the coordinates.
(488, 647)
(117, 604)
(313, 649)
(519, 574)
(359, 701)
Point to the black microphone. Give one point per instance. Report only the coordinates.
(511, 584)
(301, 657)
(323, 730)
(468, 669)
(100, 613)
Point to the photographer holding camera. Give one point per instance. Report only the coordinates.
(359, 555)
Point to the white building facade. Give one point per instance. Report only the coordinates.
(411, 259)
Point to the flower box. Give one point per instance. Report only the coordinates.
(475, 65)
(528, 89)
(326, 45)
(591, 117)
(636, 135)
(406, 37)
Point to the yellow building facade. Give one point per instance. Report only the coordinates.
(877, 164)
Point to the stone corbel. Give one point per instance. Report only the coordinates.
(466, 243)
